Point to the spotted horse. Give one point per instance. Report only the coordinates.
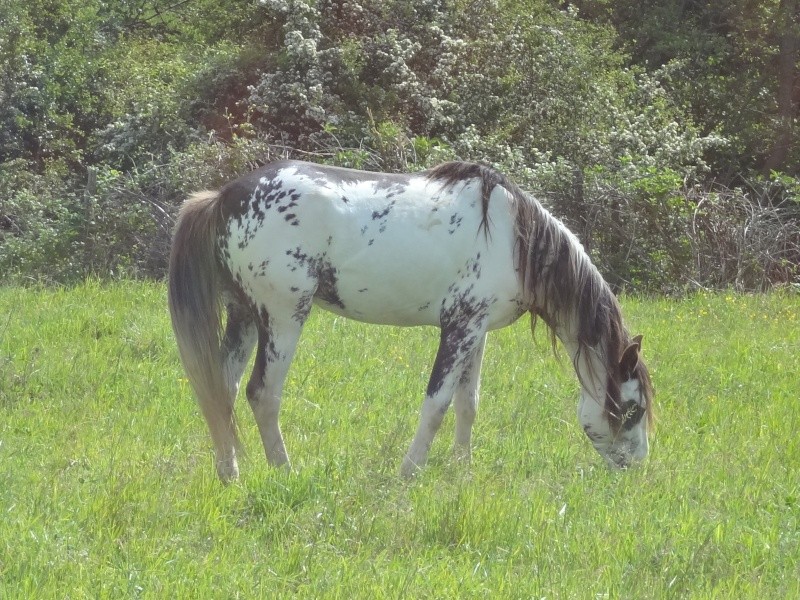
(458, 247)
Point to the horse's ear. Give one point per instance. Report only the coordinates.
(630, 357)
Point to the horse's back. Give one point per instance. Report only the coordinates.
(377, 247)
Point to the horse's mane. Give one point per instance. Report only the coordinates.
(556, 273)
(558, 278)
(451, 173)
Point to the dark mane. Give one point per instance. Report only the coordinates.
(551, 263)
(559, 280)
(563, 284)
(451, 173)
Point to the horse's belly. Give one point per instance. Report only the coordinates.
(383, 300)
(418, 293)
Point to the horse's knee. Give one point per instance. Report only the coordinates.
(466, 406)
(466, 411)
(434, 411)
(254, 390)
(261, 401)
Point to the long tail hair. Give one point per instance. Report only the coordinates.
(195, 306)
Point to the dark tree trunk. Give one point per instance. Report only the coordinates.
(788, 29)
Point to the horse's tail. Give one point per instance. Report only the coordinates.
(195, 305)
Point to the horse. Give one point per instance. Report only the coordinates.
(459, 247)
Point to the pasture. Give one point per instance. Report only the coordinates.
(108, 490)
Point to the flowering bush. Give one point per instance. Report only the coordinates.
(191, 94)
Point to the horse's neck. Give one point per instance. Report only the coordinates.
(588, 361)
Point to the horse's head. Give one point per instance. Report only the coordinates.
(618, 424)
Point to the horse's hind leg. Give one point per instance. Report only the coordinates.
(278, 334)
(465, 401)
(237, 344)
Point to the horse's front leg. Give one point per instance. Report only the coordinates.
(457, 347)
(465, 401)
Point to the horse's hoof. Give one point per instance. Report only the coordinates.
(409, 469)
(228, 471)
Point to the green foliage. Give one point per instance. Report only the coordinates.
(145, 109)
(614, 116)
(50, 82)
(39, 227)
(637, 229)
(107, 485)
(489, 82)
(723, 63)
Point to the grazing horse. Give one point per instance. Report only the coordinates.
(459, 247)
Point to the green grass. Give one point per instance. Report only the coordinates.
(107, 486)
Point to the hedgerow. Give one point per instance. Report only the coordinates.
(89, 182)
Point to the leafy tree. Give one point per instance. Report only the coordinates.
(733, 64)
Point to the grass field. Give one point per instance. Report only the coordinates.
(107, 487)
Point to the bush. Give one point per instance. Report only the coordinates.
(39, 225)
(49, 234)
(99, 152)
(749, 240)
